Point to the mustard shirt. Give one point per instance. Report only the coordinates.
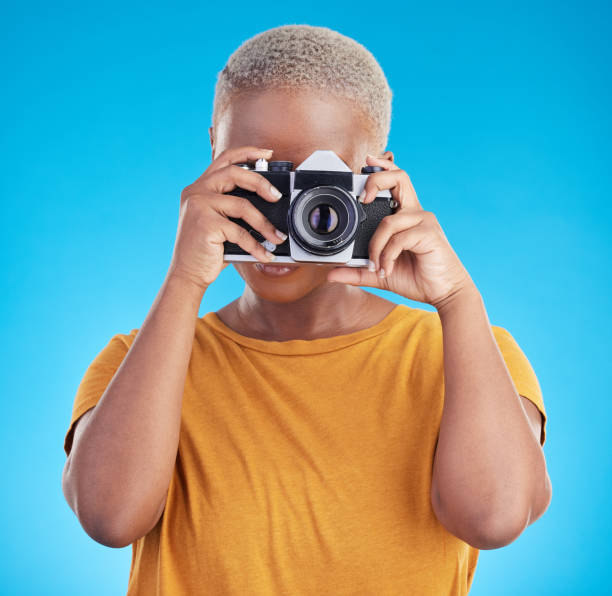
(304, 467)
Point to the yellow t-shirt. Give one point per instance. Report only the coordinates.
(304, 466)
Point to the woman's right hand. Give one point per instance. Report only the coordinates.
(203, 217)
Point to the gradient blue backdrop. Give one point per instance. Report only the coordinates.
(501, 116)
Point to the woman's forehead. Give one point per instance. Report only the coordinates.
(294, 124)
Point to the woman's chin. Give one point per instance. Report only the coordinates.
(274, 284)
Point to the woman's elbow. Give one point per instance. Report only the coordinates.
(106, 534)
(98, 525)
(481, 529)
(496, 532)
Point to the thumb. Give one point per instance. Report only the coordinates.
(355, 276)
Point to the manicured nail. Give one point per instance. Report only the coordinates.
(270, 255)
(362, 196)
(371, 266)
(381, 273)
(275, 192)
(281, 235)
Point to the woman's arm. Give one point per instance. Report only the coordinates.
(123, 454)
(489, 478)
(117, 475)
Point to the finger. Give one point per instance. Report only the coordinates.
(236, 155)
(390, 225)
(387, 164)
(238, 235)
(397, 181)
(410, 239)
(242, 208)
(228, 178)
(355, 276)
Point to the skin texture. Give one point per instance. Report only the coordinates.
(303, 305)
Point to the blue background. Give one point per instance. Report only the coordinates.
(501, 117)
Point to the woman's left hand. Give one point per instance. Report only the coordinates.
(409, 245)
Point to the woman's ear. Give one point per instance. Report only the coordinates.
(388, 155)
(212, 140)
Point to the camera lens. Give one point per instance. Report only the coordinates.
(323, 220)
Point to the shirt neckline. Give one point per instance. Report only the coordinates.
(307, 346)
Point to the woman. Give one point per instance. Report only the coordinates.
(309, 437)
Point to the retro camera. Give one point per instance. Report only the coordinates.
(318, 211)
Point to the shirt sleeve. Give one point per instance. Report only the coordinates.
(522, 373)
(97, 377)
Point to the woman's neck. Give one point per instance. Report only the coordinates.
(327, 311)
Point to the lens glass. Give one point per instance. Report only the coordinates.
(323, 219)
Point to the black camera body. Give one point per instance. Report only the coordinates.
(318, 211)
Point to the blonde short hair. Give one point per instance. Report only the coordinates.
(298, 56)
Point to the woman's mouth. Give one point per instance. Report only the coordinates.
(275, 270)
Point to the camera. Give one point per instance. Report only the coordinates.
(319, 211)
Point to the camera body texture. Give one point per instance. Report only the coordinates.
(319, 212)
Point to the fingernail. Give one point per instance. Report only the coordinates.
(270, 255)
(281, 235)
(267, 150)
(362, 195)
(275, 192)
(381, 273)
(371, 266)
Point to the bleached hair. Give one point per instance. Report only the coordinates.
(298, 56)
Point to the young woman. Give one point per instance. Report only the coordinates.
(310, 437)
